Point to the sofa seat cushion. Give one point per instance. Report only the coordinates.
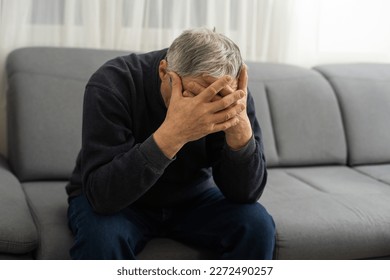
(328, 213)
(48, 203)
(8, 257)
(380, 172)
(18, 234)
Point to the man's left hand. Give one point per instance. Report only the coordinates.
(239, 135)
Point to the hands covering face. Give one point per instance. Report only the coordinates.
(208, 106)
(239, 133)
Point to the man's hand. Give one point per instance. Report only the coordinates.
(236, 136)
(191, 118)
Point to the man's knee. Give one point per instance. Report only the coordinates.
(255, 219)
(251, 233)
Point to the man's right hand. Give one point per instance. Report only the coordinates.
(191, 118)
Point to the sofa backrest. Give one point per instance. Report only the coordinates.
(299, 115)
(296, 107)
(363, 91)
(44, 107)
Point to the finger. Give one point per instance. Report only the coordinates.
(195, 88)
(176, 85)
(226, 101)
(209, 79)
(229, 113)
(243, 78)
(187, 93)
(225, 91)
(212, 90)
(225, 125)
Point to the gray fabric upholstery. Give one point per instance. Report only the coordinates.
(48, 203)
(46, 88)
(299, 115)
(313, 131)
(50, 216)
(363, 91)
(18, 234)
(379, 172)
(328, 213)
(16, 256)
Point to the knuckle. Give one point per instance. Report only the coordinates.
(213, 90)
(210, 128)
(228, 116)
(227, 79)
(194, 87)
(240, 94)
(226, 125)
(225, 102)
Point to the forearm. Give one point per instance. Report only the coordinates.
(120, 182)
(241, 175)
(168, 142)
(239, 136)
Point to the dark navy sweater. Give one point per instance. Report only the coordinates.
(120, 164)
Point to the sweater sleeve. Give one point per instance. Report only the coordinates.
(241, 175)
(116, 170)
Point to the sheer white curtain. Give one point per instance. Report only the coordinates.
(338, 31)
(302, 32)
(140, 24)
(137, 25)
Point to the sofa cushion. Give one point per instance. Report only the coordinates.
(16, 256)
(328, 213)
(18, 234)
(364, 94)
(48, 203)
(46, 88)
(299, 115)
(380, 172)
(56, 239)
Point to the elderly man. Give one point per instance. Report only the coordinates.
(171, 147)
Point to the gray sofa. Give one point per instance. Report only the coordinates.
(327, 140)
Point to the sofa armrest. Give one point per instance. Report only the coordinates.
(18, 234)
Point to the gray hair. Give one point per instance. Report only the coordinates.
(202, 51)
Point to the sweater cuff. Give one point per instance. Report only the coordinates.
(154, 155)
(242, 154)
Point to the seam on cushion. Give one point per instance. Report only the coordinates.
(305, 182)
(342, 116)
(330, 77)
(370, 176)
(26, 244)
(35, 219)
(271, 117)
(15, 244)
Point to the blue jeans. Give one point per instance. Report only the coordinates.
(233, 231)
